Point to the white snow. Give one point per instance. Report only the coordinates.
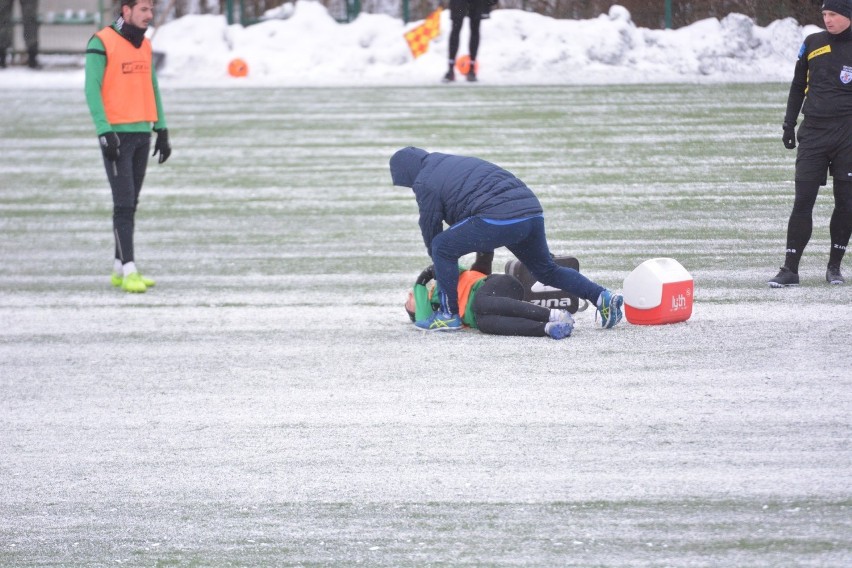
(308, 47)
(268, 403)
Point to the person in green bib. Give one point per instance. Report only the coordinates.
(492, 303)
(124, 100)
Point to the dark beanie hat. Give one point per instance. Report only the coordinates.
(842, 7)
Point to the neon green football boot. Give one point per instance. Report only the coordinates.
(116, 279)
(133, 283)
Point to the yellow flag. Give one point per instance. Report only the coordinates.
(418, 39)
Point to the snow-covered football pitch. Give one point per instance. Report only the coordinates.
(269, 403)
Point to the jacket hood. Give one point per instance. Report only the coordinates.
(406, 164)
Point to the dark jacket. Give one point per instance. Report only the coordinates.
(822, 78)
(454, 188)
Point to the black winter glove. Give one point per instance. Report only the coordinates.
(109, 145)
(162, 145)
(425, 276)
(789, 137)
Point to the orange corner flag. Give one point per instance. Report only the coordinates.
(418, 39)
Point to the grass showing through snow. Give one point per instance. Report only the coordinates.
(268, 402)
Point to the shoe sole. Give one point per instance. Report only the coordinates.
(778, 285)
(117, 282)
(441, 328)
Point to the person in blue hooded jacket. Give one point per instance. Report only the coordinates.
(485, 207)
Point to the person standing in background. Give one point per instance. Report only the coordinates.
(124, 101)
(29, 17)
(822, 91)
(475, 10)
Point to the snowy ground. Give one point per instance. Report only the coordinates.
(309, 48)
(268, 403)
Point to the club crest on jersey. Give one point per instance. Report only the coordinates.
(846, 74)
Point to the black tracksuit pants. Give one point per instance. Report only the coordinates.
(499, 309)
(125, 177)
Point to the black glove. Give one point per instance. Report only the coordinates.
(109, 145)
(427, 275)
(789, 137)
(162, 145)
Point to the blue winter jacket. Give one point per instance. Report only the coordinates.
(453, 188)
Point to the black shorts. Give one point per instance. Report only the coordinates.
(471, 8)
(824, 146)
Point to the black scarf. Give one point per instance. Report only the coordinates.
(131, 33)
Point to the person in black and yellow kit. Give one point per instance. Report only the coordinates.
(822, 91)
(124, 101)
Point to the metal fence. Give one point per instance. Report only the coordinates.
(65, 26)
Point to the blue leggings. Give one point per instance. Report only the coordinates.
(525, 239)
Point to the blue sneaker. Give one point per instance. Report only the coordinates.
(609, 307)
(440, 321)
(558, 329)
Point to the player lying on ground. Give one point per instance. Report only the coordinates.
(492, 303)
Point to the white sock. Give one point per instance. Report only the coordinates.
(129, 268)
(555, 315)
(117, 267)
(600, 299)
